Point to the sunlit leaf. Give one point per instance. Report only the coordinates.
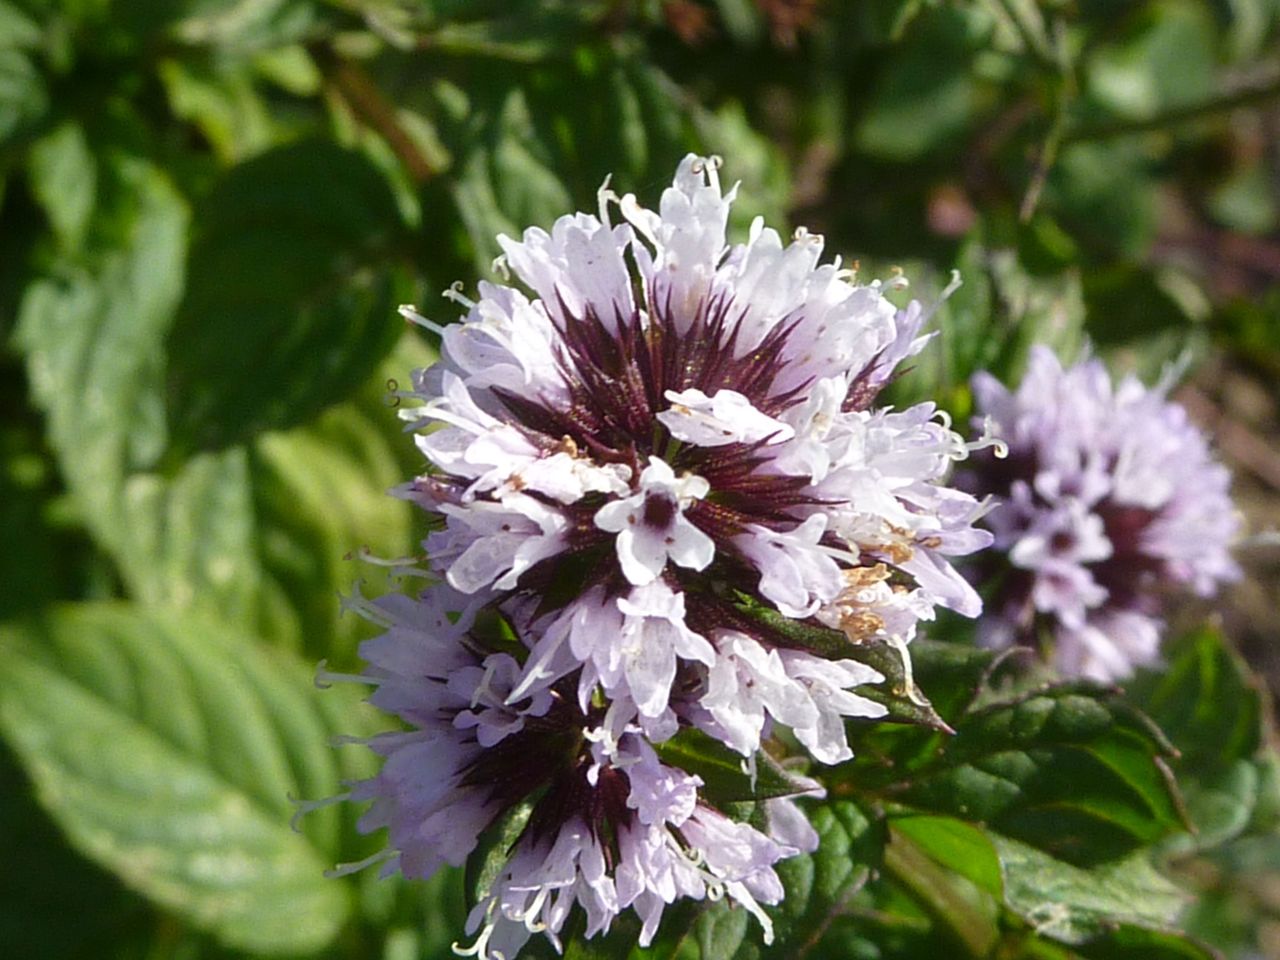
(64, 178)
(168, 750)
(1075, 905)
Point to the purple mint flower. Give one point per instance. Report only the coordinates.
(1112, 503)
(611, 827)
(631, 477)
(668, 423)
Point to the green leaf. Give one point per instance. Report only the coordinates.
(1212, 709)
(1072, 773)
(1221, 807)
(1128, 942)
(493, 850)
(1266, 813)
(1000, 311)
(291, 294)
(1163, 58)
(1075, 905)
(519, 39)
(221, 101)
(963, 911)
(1105, 196)
(64, 179)
(617, 943)
(23, 94)
(16, 28)
(1205, 700)
(92, 335)
(1250, 329)
(752, 160)
(255, 536)
(44, 560)
(506, 182)
(540, 150)
(167, 750)
(954, 675)
(885, 21)
(925, 95)
(741, 20)
(264, 536)
(1126, 302)
(725, 932)
(956, 845)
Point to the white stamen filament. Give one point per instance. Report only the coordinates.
(399, 566)
(710, 166)
(482, 688)
(438, 409)
(603, 736)
(954, 284)
(528, 916)
(368, 556)
(480, 949)
(366, 609)
(718, 886)
(351, 740)
(454, 292)
(326, 678)
(603, 198)
(987, 439)
(410, 313)
(346, 869)
(908, 677)
(304, 807)
(635, 215)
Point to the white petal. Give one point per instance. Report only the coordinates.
(691, 547)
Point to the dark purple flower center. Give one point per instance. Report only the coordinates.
(1126, 574)
(659, 511)
(549, 759)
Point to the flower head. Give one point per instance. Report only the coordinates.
(673, 421)
(1112, 503)
(641, 471)
(607, 826)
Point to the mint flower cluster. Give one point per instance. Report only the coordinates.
(1111, 506)
(653, 438)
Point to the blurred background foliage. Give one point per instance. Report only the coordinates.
(209, 211)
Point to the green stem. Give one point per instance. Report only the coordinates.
(936, 890)
(1063, 88)
(1247, 97)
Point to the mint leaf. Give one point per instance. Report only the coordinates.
(167, 750)
(290, 300)
(1075, 905)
